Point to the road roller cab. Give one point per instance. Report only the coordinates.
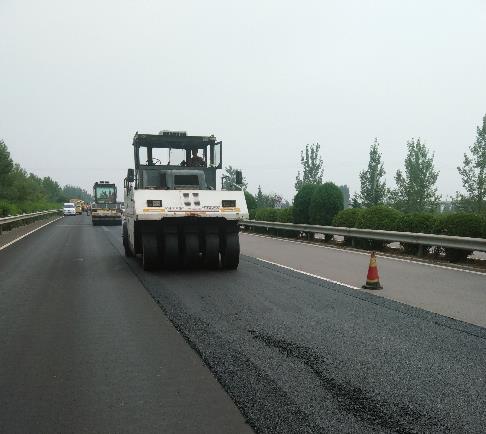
(105, 210)
(174, 214)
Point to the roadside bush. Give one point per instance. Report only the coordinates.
(251, 204)
(379, 217)
(302, 201)
(7, 208)
(286, 215)
(424, 223)
(282, 215)
(266, 215)
(461, 225)
(347, 218)
(327, 200)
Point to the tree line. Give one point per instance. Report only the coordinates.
(415, 187)
(23, 192)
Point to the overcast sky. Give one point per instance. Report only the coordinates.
(79, 78)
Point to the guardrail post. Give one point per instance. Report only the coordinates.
(420, 252)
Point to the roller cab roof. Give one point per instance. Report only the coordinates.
(172, 140)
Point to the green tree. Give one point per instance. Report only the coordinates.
(473, 174)
(270, 200)
(416, 189)
(326, 202)
(345, 191)
(229, 180)
(74, 192)
(251, 202)
(355, 203)
(23, 187)
(302, 201)
(259, 196)
(373, 186)
(53, 190)
(312, 166)
(6, 166)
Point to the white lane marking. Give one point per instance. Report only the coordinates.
(308, 274)
(28, 233)
(411, 261)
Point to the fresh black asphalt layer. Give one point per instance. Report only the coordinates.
(298, 354)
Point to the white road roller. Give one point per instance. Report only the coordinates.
(174, 216)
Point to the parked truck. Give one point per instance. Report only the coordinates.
(174, 214)
(105, 210)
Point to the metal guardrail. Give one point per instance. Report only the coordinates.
(21, 217)
(462, 243)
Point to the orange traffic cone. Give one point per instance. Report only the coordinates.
(372, 280)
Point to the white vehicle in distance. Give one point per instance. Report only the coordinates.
(69, 209)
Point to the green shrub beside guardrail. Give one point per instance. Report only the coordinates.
(347, 218)
(281, 215)
(461, 225)
(8, 208)
(424, 223)
(380, 218)
(302, 202)
(388, 219)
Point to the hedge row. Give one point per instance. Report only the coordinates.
(389, 219)
(9, 208)
(281, 215)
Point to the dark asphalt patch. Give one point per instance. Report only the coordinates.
(390, 416)
(265, 406)
(390, 367)
(402, 308)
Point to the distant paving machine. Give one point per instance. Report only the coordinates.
(174, 216)
(78, 203)
(105, 210)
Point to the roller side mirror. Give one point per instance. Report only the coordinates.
(239, 177)
(130, 175)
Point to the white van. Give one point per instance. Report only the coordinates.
(69, 209)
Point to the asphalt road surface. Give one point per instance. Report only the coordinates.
(459, 294)
(83, 347)
(84, 344)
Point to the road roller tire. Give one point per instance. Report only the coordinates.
(191, 249)
(211, 251)
(171, 251)
(230, 252)
(126, 245)
(150, 254)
